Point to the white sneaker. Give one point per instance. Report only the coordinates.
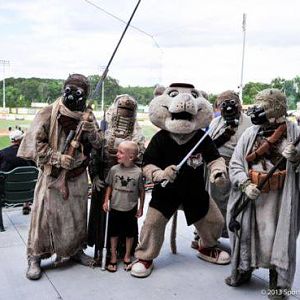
(142, 268)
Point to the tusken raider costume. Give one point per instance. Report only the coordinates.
(225, 131)
(269, 224)
(58, 226)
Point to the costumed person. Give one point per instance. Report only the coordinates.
(269, 224)
(124, 198)
(10, 161)
(58, 224)
(121, 125)
(180, 111)
(225, 132)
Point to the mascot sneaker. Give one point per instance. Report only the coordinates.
(214, 255)
(142, 268)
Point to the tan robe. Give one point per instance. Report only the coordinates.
(57, 225)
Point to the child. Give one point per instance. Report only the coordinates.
(125, 187)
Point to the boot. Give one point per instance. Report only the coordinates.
(275, 292)
(242, 278)
(34, 271)
(83, 259)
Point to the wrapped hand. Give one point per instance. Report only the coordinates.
(66, 161)
(88, 126)
(251, 191)
(290, 153)
(98, 184)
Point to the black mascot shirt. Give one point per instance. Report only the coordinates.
(188, 188)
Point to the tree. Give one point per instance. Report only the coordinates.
(251, 89)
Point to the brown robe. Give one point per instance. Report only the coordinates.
(57, 225)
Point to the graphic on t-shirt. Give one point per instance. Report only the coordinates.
(125, 182)
(195, 160)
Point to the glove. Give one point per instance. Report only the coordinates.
(290, 153)
(88, 126)
(251, 191)
(66, 161)
(169, 174)
(219, 179)
(98, 184)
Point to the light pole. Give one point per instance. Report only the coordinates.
(4, 63)
(243, 54)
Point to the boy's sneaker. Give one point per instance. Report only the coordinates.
(142, 268)
(214, 255)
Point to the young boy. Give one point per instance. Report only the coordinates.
(125, 187)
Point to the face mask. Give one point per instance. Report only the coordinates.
(257, 115)
(74, 98)
(230, 112)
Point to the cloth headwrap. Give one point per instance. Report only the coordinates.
(273, 101)
(228, 95)
(79, 81)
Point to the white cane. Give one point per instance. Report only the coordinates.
(104, 250)
(178, 167)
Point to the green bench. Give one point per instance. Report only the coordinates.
(17, 187)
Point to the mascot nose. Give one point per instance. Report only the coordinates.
(186, 97)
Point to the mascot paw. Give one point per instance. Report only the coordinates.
(142, 268)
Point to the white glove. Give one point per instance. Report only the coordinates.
(251, 191)
(219, 179)
(169, 174)
(66, 161)
(98, 184)
(290, 153)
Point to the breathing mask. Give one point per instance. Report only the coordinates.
(257, 114)
(74, 98)
(230, 112)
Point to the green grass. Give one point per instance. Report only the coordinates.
(148, 130)
(4, 142)
(4, 124)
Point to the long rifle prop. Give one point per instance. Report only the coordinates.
(61, 183)
(178, 167)
(100, 82)
(234, 225)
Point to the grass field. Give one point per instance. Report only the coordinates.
(4, 124)
(148, 130)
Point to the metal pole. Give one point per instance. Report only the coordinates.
(243, 55)
(4, 62)
(102, 98)
(100, 82)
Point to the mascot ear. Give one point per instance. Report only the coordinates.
(204, 94)
(159, 90)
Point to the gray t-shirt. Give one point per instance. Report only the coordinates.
(126, 183)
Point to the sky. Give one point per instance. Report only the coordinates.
(192, 41)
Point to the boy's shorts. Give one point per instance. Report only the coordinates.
(123, 223)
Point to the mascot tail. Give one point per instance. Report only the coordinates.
(173, 233)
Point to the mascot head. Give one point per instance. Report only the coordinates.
(180, 108)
